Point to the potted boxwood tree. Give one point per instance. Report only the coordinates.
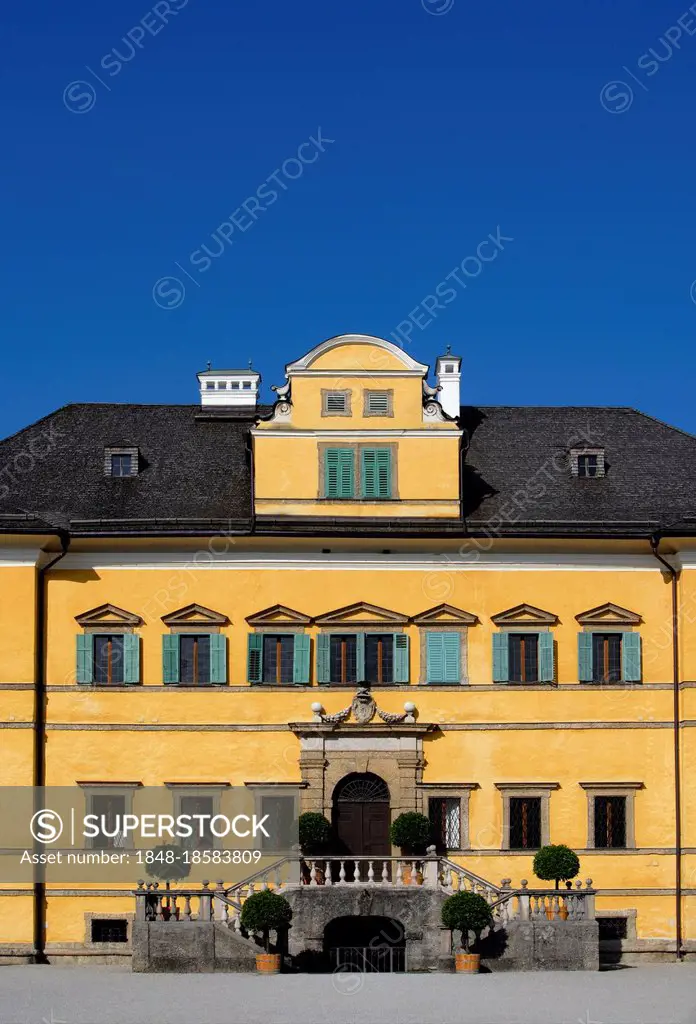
(315, 834)
(466, 912)
(162, 871)
(556, 863)
(412, 832)
(265, 912)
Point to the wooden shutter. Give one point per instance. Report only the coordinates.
(376, 472)
(300, 659)
(630, 657)
(85, 658)
(501, 658)
(585, 657)
(255, 657)
(324, 658)
(442, 657)
(360, 657)
(339, 473)
(218, 658)
(545, 655)
(131, 658)
(170, 658)
(401, 649)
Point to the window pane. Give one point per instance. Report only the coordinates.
(379, 658)
(525, 823)
(108, 658)
(278, 659)
(110, 811)
(606, 657)
(198, 805)
(524, 657)
(281, 812)
(121, 465)
(610, 822)
(343, 658)
(194, 659)
(445, 814)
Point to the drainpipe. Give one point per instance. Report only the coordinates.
(674, 577)
(39, 954)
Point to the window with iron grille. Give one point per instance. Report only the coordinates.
(109, 930)
(278, 658)
(109, 809)
(525, 822)
(379, 658)
(194, 658)
(343, 657)
(524, 657)
(606, 657)
(201, 838)
(445, 814)
(612, 928)
(610, 822)
(378, 403)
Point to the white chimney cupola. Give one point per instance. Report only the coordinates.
(448, 373)
(230, 388)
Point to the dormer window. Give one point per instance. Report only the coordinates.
(587, 462)
(121, 462)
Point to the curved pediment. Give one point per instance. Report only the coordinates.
(357, 353)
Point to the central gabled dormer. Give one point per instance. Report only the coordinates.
(357, 432)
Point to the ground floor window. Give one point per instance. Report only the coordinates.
(109, 930)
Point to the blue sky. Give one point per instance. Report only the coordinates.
(449, 122)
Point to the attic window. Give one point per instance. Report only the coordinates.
(587, 462)
(222, 385)
(378, 403)
(210, 385)
(335, 403)
(121, 462)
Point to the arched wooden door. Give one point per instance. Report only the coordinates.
(361, 816)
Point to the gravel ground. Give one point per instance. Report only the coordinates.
(62, 995)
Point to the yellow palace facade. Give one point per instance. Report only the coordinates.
(189, 594)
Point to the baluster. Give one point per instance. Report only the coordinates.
(370, 872)
(265, 886)
(447, 878)
(385, 873)
(356, 876)
(187, 907)
(342, 873)
(160, 905)
(278, 881)
(313, 873)
(399, 873)
(414, 873)
(237, 921)
(328, 874)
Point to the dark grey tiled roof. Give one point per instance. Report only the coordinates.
(195, 474)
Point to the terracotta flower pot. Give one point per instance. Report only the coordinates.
(467, 963)
(268, 963)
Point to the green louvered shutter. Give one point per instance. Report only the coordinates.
(339, 473)
(255, 657)
(360, 657)
(546, 672)
(585, 657)
(376, 472)
(442, 658)
(85, 660)
(170, 658)
(501, 658)
(323, 658)
(218, 658)
(401, 648)
(434, 657)
(630, 657)
(300, 659)
(131, 658)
